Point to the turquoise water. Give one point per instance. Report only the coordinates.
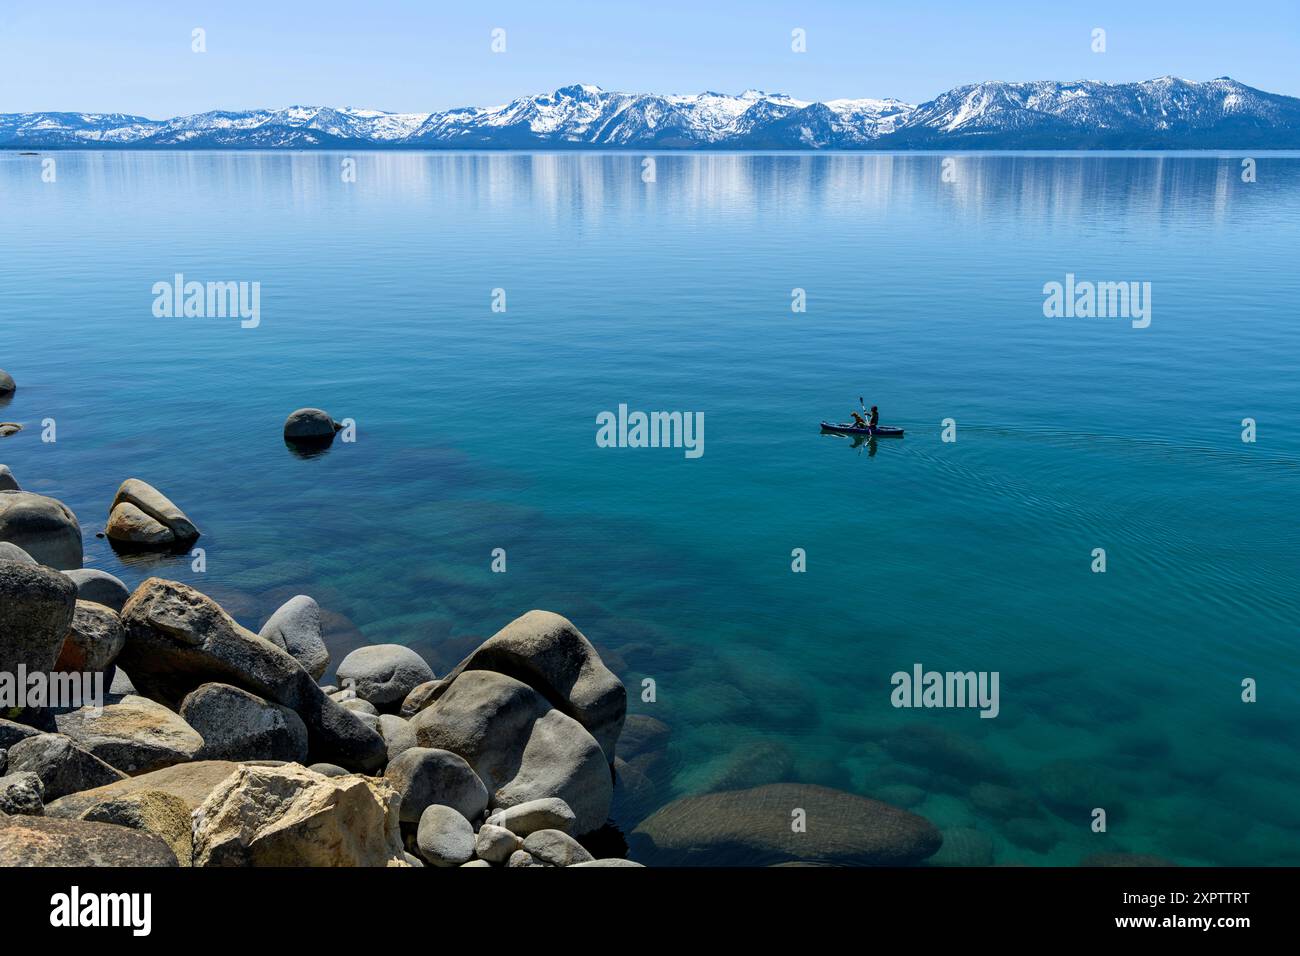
(476, 430)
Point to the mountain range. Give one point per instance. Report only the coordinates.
(1164, 113)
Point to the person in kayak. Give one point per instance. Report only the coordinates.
(871, 423)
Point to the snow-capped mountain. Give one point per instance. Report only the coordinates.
(1161, 113)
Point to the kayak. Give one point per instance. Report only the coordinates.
(847, 428)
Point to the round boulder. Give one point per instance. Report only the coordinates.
(100, 587)
(425, 776)
(445, 838)
(94, 640)
(295, 627)
(384, 673)
(7, 480)
(7, 386)
(43, 527)
(308, 425)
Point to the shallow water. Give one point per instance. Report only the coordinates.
(476, 431)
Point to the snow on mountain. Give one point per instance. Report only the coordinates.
(1164, 112)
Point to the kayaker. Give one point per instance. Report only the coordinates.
(875, 416)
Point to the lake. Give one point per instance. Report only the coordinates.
(476, 430)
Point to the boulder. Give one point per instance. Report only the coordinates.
(478, 864)
(94, 640)
(290, 816)
(612, 861)
(128, 525)
(398, 734)
(11, 732)
(546, 652)
(329, 770)
(121, 685)
(309, 425)
(964, 846)
(295, 628)
(22, 794)
(237, 725)
(753, 828)
(425, 776)
(191, 782)
(522, 858)
(1034, 833)
(152, 502)
(495, 844)
(7, 480)
(100, 587)
(548, 813)
(556, 848)
(11, 552)
(358, 706)
(7, 386)
(520, 746)
(383, 674)
(63, 767)
(445, 838)
(419, 698)
(45, 841)
(36, 609)
(1001, 802)
(178, 639)
(163, 814)
(136, 736)
(642, 735)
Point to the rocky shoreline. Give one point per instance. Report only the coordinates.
(219, 746)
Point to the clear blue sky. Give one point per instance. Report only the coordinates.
(134, 56)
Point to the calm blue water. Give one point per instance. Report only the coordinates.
(476, 431)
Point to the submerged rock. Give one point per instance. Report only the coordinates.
(43, 527)
(546, 652)
(753, 828)
(519, 745)
(45, 841)
(178, 639)
(383, 674)
(290, 816)
(237, 725)
(295, 627)
(136, 735)
(964, 846)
